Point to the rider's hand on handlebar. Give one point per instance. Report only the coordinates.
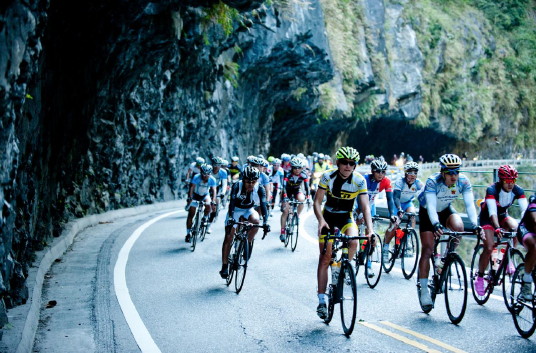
(479, 232)
(229, 222)
(266, 228)
(499, 232)
(400, 214)
(438, 230)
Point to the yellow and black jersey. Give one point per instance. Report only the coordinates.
(341, 193)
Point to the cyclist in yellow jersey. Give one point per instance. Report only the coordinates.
(342, 186)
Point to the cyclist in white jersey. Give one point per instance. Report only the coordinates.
(202, 189)
(221, 185)
(194, 168)
(436, 212)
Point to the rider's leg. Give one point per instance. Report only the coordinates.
(486, 252)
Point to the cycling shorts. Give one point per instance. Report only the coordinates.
(523, 233)
(196, 198)
(424, 221)
(485, 221)
(241, 212)
(405, 205)
(343, 221)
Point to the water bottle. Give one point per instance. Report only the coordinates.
(500, 256)
(495, 259)
(335, 269)
(439, 262)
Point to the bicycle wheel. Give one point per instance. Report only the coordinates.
(455, 288)
(295, 232)
(241, 264)
(410, 254)
(195, 231)
(348, 298)
(523, 312)
(391, 259)
(202, 231)
(330, 305)
(231, 261)
(516, 259)
(473, 274)
(288, 228)
(373, 263)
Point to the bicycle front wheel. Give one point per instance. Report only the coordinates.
(295, 230)
(348, 298)
(330, 304)
(231, 261)
(195, 230)
(391, 258)
(373, 263)
(241, 264)
(516, 258)
(289, 229)
(523, 311)
(473, 275)
(410, 254)
(455, 288)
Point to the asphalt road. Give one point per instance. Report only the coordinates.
(173, 300)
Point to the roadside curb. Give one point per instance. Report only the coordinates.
(24, 319)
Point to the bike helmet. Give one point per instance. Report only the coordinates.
(507, 172)
(321, 156)
(378, 164)
(225, 162)
(235, 159)
(296, 163)
(200, 160)
(271, 159)
(450, 161)
(251, 160)
(206, 169)
(276, 161)
(217, 161)
(285, 157)
(411, 166)
(251, 173)
(348, 153)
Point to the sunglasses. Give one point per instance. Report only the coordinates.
(509, 181)
(248, 181)
(451, 172)
(380, 171)
(345, 162)
(411, 173)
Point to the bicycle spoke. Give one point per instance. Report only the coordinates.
(348, 298)
(294, 238)
(373, 263)
(473, 275)
(410, 254)
(241, 264)
(523, 311)
(455, 288)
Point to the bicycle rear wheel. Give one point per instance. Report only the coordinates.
(373, 263)
(523, 312)
(241, 264)
(231, 259)
(330, 304)
(473, 274)
(289, 229)
(195, 230)
(391, 259)
(294, 238)
(455, 288)
(516, 259)
(348, 298)
(410, 254)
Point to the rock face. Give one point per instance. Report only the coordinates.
(103, 108)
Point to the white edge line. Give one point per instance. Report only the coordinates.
(137, 327)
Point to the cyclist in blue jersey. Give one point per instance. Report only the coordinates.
(437, 212)
(202, 189)
(221, 186)
(406, 189)
(295, 187)
(526, 234)
(277, 174)
(494, 217)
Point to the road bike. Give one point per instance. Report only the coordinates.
(501, 276)
(369, 255)
(342, 289)
(292, 226)
(450, 280)
(406, 248)
(237, 261)
(523, 311)
(199, 228)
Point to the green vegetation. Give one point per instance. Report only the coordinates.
(231, 72)
(222, 15)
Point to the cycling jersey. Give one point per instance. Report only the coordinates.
(233, 170)
(202, 188)
(437, 196)
(404, 193)
(317, 168)
(527, 227)
(286, 166)
(194, 169)
(221, 180)
(293, 184)
(242, 199)
(374, 188)
(498, 201)
(277, 176)
(341, 193)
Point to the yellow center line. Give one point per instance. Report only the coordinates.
(423, 337)
(400, 337)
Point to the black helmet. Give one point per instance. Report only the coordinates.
(251, 173)
(378, 164)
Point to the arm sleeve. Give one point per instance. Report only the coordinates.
(431, 203)
(390, 203)
(470, 208)
(523, 204)
(306, 186)
(492, 206)
(232, 205)
(396, 198)
(224, 185)
(264, 208)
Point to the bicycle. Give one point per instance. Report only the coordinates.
(200, 224)
(406, 249)
(292, 226)
(451, 280)
(370, 253)
(496, 277)
(343, 289)
(523, 311)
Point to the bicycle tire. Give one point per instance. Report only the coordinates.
(195, 231)
(288, 229)
(241, 265)
(374, 258)
(517, 258)
(348, 304)
(473, 274)
(295, 232)
(410, 254)
(523, 313)
(393, 254)
(330, 304)
(231, 262)
(454, 281)
(202, 232)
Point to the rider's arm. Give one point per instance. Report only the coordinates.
(431, 207)
(191, 190)
(307, 190)
(317, 205)
(396, 198)
(264, 204)
(391, 203)
(364, 205)
(469, 200)
(523, 204)
(213, 192)
(491, 205)
(232, 202)
(223, 185)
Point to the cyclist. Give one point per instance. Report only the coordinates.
(526, 234)
(245, 195)
(494, 216)
(276, 178)
(319, 168)
(202, 189)
(285, 162)
(341, 186)
(436, 211)
(376, 183)
(221, 186)
(295, 187)
(194, 168)
(405, 191)
(234, 168)
(264, 179)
